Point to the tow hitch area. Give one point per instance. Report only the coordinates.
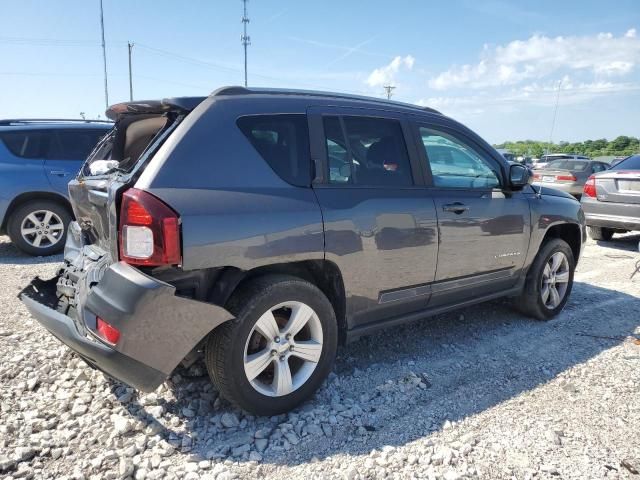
(42, 291)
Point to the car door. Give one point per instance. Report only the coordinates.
(483, 227)
(21, 165)
(65, 152)
(380, 230)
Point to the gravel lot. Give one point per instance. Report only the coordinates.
(480, 393)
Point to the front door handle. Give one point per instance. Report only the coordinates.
(456, 208)
(60, 173)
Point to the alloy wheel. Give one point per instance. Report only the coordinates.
(555, 280)
(283, 349)
(42, 228)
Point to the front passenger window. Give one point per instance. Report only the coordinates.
(454, 164)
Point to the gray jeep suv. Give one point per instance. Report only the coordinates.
(260, 228)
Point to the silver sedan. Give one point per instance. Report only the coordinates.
(568, 175)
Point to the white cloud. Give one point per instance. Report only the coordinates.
(386, 75)
(540, 56)
(533, 94)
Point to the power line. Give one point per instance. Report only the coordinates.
(156, 51)
(104, 58)
(194, 61)
(555, 112)
(216, 66)
(389, 89)
(47, 42)
(246, 40)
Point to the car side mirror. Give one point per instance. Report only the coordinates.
(519, 176)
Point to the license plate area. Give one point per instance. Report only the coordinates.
(548, 178)
(628, 186)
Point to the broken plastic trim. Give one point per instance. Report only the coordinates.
(178, 104)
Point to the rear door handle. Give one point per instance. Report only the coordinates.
(456, 208)
(60, 173)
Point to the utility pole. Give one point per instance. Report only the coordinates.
(246, 40)
(389, 89)
(104, 58)
(555, 112)
(130, 47)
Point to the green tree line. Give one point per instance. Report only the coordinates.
(621, 146)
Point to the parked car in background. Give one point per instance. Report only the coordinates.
(261, 227)
(510, 157)
(545, 159)
(37, 160)
(524, 160)
(568, 175)
(616, 160)
(611, 200)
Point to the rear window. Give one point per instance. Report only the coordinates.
(72, 144)
(629, 163)
(124, 145)
(27, 144)
(574, 166)
(283, 142)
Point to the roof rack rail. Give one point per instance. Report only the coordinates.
(238, 90)
(21, 121)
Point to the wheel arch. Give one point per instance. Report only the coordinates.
(323, 274)
(570, 233)
(25, 197)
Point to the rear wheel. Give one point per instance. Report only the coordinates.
(549, 281)
(600, 233)
(279, 348)
(39, 227)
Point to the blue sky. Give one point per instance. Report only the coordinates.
(494, 65)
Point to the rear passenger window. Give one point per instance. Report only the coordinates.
(366, 151)
(283, 141)
(72, 145)
(23, 144)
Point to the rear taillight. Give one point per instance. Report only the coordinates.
(537, 176)
(107, 332)
(568, 178)
(149, 230)
(590, 187)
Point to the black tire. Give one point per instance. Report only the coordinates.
(600, 233)
(23, 211)
(530, 301)
(224, 351)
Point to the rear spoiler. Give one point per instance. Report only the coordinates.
(178, 104)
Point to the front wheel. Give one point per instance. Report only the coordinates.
(278, 350)
(549, 281)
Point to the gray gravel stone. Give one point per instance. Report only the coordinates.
(229, 420)
(505, 398)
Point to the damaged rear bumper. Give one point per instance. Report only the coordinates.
(157, 328)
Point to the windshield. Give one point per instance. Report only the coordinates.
(629, 163)
(572, 165)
